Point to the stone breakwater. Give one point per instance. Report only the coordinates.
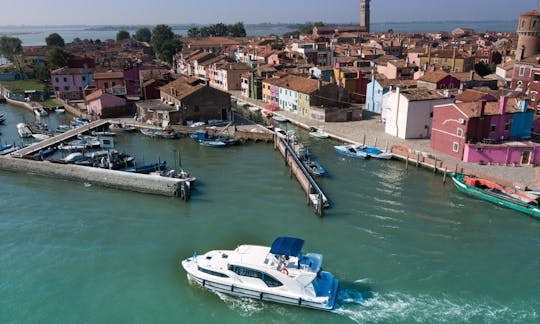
(107, 178)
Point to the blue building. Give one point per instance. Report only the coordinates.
(380, 86)
(323, 73)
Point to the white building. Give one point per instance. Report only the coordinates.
(408, 113)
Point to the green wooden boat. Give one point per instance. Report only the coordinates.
(523, 201)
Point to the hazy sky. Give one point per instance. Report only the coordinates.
(99, 12)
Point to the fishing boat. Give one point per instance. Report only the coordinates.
(97, 133)
(168, 134)
(317, 133)
(149, 132)
(520, 200)
(78, 122)
(212, 143)
(6, 148)
(279, 119)
(62, 128)
(355, 151)
(23, 130)
(314, 167)
(40, 137)
(40, 112)
(118, 127)
(280, 273)
(9, 150)
(149, 168)
(376, 153)
(60, 110)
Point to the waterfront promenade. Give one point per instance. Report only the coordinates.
(371, 129)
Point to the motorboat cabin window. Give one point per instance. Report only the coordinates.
(212, 273)
(245, 272)
(271, 281)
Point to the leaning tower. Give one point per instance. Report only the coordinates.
(528, 34)
(364, 14)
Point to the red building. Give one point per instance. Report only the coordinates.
(436, 80)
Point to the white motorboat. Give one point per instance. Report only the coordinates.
(318, 133)
(40, 137)
(23, 130)
(279, 119)
(280, 273)
(121, 128)
(40, 111)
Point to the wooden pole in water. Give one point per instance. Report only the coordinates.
(418, 159)
(407, 162)
(444, 176)
(386, 147)
(364, 140)
(375, 143)
(435, 166)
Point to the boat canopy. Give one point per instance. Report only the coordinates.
(288, 246)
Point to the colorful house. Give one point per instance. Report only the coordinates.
(378, 87)
(408, 113)
(104, 105)
(69, 83)
(439, 79)
(111, 82)
(355, 80)
(486, 132)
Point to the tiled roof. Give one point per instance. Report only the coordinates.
(70, 71)
(108, 75)
(420, 94)
(182, 87)
(472, 109)
(94, 95)
(471, 95)
(434, 76)
(534, 12)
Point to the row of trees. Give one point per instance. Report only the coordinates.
(305, 29)
(218, 30)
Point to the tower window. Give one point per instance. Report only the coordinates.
(534, 23)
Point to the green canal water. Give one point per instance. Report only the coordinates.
(405, 247)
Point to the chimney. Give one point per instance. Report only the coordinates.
(472, 75)
(503, 100)
(482, 107)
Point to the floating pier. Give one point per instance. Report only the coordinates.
(315, 195)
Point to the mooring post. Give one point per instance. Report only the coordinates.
(444, 176)
(375, 143)
(407, 162)
(386, 147)
(418, 159)
(435, 166)
(364, 140)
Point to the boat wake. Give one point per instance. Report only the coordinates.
(246, 307)
(400, 307)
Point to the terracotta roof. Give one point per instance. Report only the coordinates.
(183, 87)
(420, 94)
(434, 76)
(534, 12)
(471, 95)
(70, 71)
(472, 109)
(94, 95)
(403, 84)
(108, 75)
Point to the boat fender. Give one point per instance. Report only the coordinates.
(299, 301)
(261, 296)
(204, 283)
(284, 271)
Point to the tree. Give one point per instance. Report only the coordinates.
(168, 49)
(143, 35)
(193, 32)
(160, 34)
(11, 49)
(58, 58)
(42, 74)
(122, 34)
(482, 69)
(237, 30)
(55, 39)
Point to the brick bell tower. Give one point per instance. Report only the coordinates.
(528, 34)
(364, 14)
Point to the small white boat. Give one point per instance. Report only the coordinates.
(254, 109)
(318, 133)
(23, 130)
(280, 273)
(40, 137)
(280, 132)
(279, 119)
(121, 128)
(351, 150)
(40, 111)
(59, 110)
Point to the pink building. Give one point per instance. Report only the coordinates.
(69, 83)
(105, 105)
(434, 80)
(486, 132)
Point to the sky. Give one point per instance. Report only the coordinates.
(150, 12)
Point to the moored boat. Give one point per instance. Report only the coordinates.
(23, 130)
(317, 133)
(279, 119)
(351, 150)
(520, 200)
(146, 169)
(121, 128)
(280, 273)
(376, 153)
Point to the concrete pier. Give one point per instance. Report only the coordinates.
(315, 195)
(108, 178)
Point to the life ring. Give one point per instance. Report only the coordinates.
(284, 271)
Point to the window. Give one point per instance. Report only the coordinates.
(212, 273)
(66, 88)
(455, 147)
(65, 79)
(460, 132)
(534, 23)
(245, 272)
(84, 78)
(533, 95)
(56, 88)
(271, 281)
(56, 79)
(507, 125)
(493, 128)
(522, 23)
(521, 71)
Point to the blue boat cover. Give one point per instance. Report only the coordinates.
(289, 246)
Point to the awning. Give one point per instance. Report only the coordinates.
(289, 246)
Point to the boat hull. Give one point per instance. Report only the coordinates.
(533, 211)
(239, 291)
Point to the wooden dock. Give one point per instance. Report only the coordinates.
(55, 140)
(315, 195)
